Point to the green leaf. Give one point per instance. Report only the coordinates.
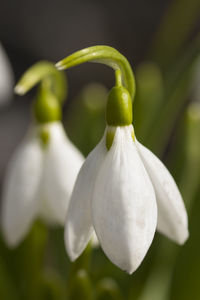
(80, 287)
(53, 287)
(185, 280)
(177, 88)
(149, 97)
(178, 23)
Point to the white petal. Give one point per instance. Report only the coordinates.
(20, 191)
(62, 164)
(94, 241)
(124, 206)
(78, 228)
(172, 216)
(6, 78)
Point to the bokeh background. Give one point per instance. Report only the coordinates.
(161, 40)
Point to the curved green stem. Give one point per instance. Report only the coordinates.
(118, 78)
(45, 72)
(105, 55)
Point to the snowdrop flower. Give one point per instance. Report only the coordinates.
(41, 173)
(123, 192)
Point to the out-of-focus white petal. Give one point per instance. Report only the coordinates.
(6, 78)
(62, 164)
(172, 216)
(78, 228)
(124, 207)
(20, 198)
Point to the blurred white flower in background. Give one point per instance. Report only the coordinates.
(39, 180)
(6, 78)
(118, 193)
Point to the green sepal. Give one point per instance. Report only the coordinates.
(46, 107)
(110, 134)
(44, 135)
(119, 107)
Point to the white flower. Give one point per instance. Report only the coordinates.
(118, 193)
(39, 181)
(6, 78)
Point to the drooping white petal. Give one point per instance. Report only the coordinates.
(172, 216)
(78, 228)
(124, 206)
(20, 190)
(62, 164)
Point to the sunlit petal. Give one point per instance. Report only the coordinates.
(124, 206)
(79, 229)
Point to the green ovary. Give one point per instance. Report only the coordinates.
(119, 107)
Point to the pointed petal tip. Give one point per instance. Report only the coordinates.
(178, 237)
(133, 268)
(183, 238)
(130, 266)
(130, 271)
(71, 254)
(74, 244)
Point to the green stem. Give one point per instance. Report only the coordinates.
(105, 55)
(45, 72)
(118, 78)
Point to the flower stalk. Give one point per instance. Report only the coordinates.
(104, 55)
(44, 72)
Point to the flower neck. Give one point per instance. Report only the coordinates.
(46, 107)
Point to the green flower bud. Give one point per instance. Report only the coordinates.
(46, 107)
(119, 107)
(44, 136)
